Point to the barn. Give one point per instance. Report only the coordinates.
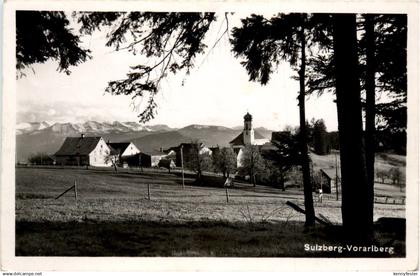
(83, 151)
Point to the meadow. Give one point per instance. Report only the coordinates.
(113, 216)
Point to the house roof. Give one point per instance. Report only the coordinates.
(118, 148)
(78, 146)
(239, 140)
(155, 153)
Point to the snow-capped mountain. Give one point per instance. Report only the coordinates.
(89, 127)
(32, 126)
(47, 137)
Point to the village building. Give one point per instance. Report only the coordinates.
(188, 151)
(83, 151)
(124, 149)
(155, 156)
(247, 137)
(145, 159)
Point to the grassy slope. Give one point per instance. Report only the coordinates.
(114, 217)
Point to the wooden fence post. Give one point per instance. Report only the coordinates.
(72, 187)
(182, 166)
(75, 190)
(227, 195)
(148, 191)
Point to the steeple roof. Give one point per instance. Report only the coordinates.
(248, 117)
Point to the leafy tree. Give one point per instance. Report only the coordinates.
(113, 159)
(224, 161)
(397, 177)
(45, 35)
(285, 156)
(196, 159)
(169, 40)
(166, 163)
(252, 162)
(320, 137)
(40, 159)
(264, 43)
(382, 175)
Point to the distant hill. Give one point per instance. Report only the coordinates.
(155, 141)
(47, 137)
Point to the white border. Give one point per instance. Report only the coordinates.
(7, 195)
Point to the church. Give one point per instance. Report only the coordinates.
(247, 137)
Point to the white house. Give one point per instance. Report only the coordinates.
(124, 149)
(247, 137)
(83, 151)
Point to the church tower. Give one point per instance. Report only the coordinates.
(248, 133)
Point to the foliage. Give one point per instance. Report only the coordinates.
(40, 159)
(170, 41)
(224, 161)
(197, 160)
(45, 35)
(396, 175)
(382, 174)
(320, 138)
(252, 163)
(166, 163)
(390, 67)
(113, 159)
(284, 156)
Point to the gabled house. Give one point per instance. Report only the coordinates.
(124, 149)
(124, 152)
(83, 151)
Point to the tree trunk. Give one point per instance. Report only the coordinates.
(370, 111)
(307, 186)
(355, 202)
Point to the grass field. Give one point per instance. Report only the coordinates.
(113, 216)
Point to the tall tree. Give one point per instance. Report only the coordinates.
(382, 57)
(355, 201)
(264, 43)
(45, 35)
(370, 111)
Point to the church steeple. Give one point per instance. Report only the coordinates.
(248, 133)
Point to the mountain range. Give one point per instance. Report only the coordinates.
(47, 137)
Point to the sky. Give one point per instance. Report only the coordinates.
(216, 92)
